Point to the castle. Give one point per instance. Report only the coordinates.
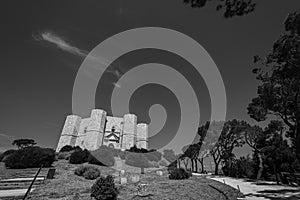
(100, 129)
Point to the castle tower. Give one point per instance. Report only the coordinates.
(94, 130)
(129, 131)
(69, 132)
(142, 136)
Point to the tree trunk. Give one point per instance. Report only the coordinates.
(216, 168)
(192, 162)
(196, 163)
(297, 137)
(261, 166)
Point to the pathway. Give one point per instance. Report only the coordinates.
(261, 190)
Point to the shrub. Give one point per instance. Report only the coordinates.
(101, 157)
(30, 157)
(63, 155)
(79, 156)
(66, 148)
(88, 172)
(179, 174)
(123, 154)
(137, 160)
(163, 163)
(154, 156)
(172, 166)
(6, 153)
(104, 189)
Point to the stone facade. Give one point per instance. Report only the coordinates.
(100, 129)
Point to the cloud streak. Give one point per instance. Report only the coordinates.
(60, 43)
(64, 45)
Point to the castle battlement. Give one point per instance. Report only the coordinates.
(100, 129)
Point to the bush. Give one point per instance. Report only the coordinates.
(63, 155)
(163, 163)
(6, 153)
(88, 172)
(101, 157)
(30, 157)
(137, 160)
(104, 189)
(123, 154)
(179, 174)
(154, 156)
(79, 156)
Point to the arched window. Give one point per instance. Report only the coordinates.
(85, 129)
(113, 129)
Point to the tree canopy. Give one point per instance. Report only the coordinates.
(22, 143)
(279, 75)
(230, 8)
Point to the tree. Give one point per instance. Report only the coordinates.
(231, 8)
(22, 143)
(232, 136)
(276, 151)
(169, 155)
(255, 137)
(279, 76)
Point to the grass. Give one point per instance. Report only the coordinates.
(68, 186)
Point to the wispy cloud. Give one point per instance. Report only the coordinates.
(117, 85)
(59, 42)
(63, 44)
(7, 136)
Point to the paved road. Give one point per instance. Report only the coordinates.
(261, 190)
(12, 193)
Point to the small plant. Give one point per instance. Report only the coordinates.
(179, 174)
(163, 163)
(137, 160)
(63, 155)
(79, 156)
(88, 172)
(101, 157)
(104, 189)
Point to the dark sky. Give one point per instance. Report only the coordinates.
(43, 44)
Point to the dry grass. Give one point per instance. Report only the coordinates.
(68, 186)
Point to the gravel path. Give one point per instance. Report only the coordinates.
(261, 190)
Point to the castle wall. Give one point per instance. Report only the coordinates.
(69, 132)
(95, 130)
(83, 133)
(142, 136)
(129, 131)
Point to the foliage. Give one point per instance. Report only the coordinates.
(243, 167)
(172, 166)
(134, 149)
(5, 154)
(163, 163)
(88, 172)
(68, 148)
(232, 136)
(179, 173)
(22, 143)
(30, 157)
(153, 156)
(64, 155)
(279, 75)
(101, 157)
(169, 155)
(137, 160)
(104, 189)
(79, 156)
(231, 7)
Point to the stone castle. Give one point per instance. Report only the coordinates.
(100, 129)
